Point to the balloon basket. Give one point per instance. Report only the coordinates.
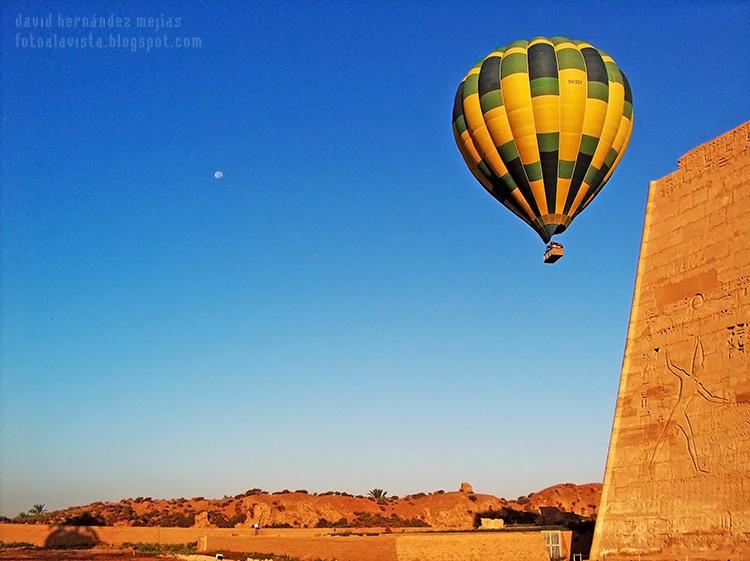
(553, 252)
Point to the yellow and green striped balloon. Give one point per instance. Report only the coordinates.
(542, 124)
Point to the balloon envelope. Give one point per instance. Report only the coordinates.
(542, 124)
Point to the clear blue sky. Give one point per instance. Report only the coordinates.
(347, 308)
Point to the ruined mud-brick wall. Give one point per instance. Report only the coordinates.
(305, 543)
(494, 546)
(60, 536)
(57, 536)
(342, 548)
(459, 546)
(677, 483)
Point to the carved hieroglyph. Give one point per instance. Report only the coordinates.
(677, 483)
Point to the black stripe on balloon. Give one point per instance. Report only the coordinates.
(596, 187)
(596, 70)
(549, 174)
(542, 61)
(489, 75)
(501, 192)
(518, 173)
(628, 91)
(458, 103)
(582, 166)
(511, 203)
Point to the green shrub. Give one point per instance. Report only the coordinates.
(85, 519)
(16, 545)
(365, 519)
(162, 548)
(221, 521)
(273, 557)
(173, 519)
(340, 523)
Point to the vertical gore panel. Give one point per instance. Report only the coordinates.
(477, 148)
(619, 146)
(604, 149)
(458, 109)
(593, 121)
(502, 181)
(545, 99)
(496, 121)
(517, 99)
(495, 115)
(573, 88)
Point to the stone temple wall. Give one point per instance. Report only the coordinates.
(677, 483)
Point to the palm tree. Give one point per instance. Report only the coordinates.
(36, 510)
(377, 494)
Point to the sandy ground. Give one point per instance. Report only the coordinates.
(100, 555)
(71, 555)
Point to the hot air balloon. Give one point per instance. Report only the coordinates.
(542, 124)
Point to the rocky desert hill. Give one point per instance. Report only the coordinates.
(300, 509)
(567, 497)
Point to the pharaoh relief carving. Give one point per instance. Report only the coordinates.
(693, 393)
(690, 387)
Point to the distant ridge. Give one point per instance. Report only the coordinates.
(299, 509)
